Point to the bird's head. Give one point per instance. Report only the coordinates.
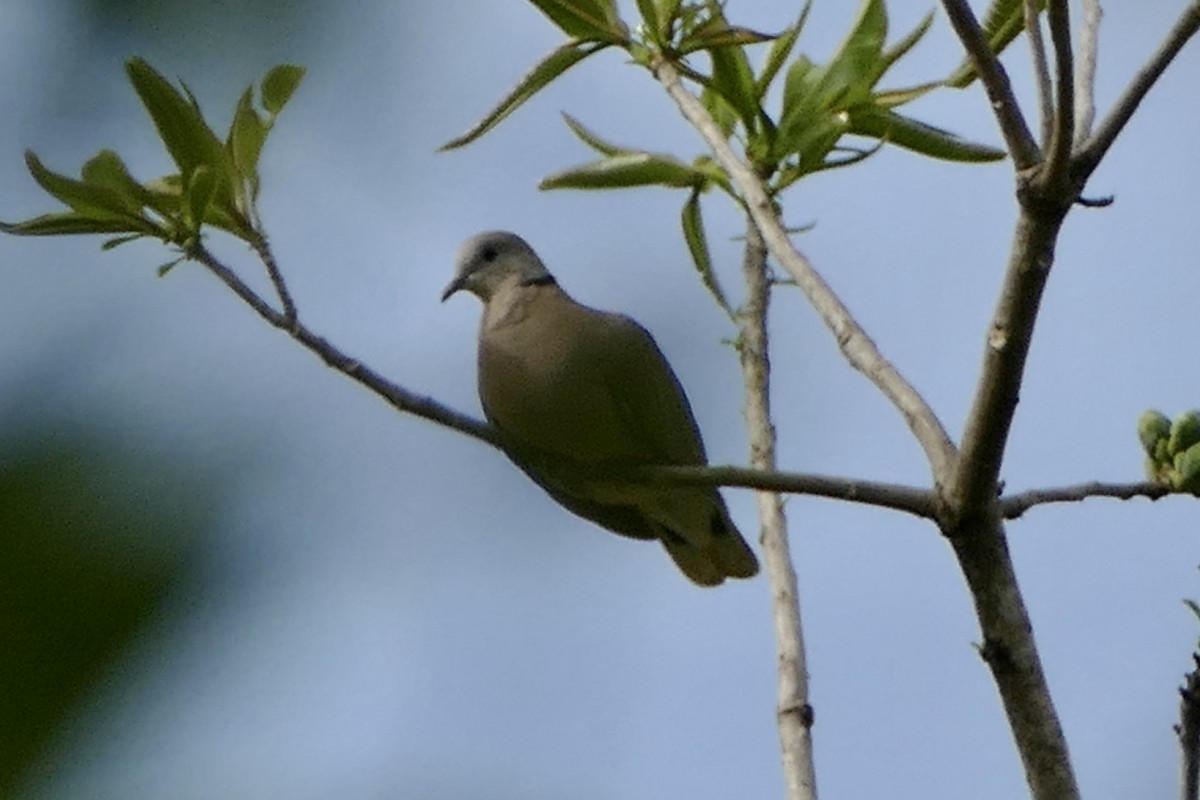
(487, 261)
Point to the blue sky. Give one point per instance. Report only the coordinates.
(387, 609)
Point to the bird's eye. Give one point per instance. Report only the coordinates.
(488, 254)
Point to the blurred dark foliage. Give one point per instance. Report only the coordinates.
(94, 533)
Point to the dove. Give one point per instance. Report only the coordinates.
(572, 390)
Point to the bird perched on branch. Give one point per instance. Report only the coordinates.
(574, 391)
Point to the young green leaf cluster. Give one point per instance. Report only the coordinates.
(1172, 449)
(217, 183)
(819, 105)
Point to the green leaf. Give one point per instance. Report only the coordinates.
(100, 203)
(279, 85)
(894, 98)
(163, 269)
(626, 170)
(697, 243)
(68, 223)
(917, 136)
(107, 170)
(1185, 432)
(534, 81)
(180, 125)
(247, 134)
(592, 140)
(732, 77)
(720, 109)
(855, 66)
(897, 51)
(724, 36)
(201, 187)
(1003, 23)
(1152, 426)
(781, 48)
(117, 241)
(594, 20)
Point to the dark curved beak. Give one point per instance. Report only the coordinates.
(453, 287)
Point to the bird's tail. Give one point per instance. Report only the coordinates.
(725, 555)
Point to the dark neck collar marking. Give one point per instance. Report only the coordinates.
(540, 280)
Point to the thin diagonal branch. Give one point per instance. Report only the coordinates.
(1041, 68)
(854, 342)
(1085, 73)
(1089, 157)
(1013, 506)
(395, 395)
(793, 711)
(1058, 159)
(1021, 144)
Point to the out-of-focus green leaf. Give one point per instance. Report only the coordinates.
(668, 13)
(279, 85)
(917, 136)
(692, 222)
(626, 170)
(591, 139)
(163, 269)
(727, 36)
(649, 11)
(1003, 23)
(781, 48)
(594, 20)
(537, 78)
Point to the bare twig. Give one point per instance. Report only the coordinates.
(1015, 505)
(1188, 731)
(794, 712)
(1085, 74)
(1021, 145)
(1088, 158)
(854, 342)
(1041, 68)
(397, 396)
(263, 249)
(1058, 158)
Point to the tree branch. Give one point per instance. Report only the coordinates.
(263, 249)
(1089, 157)
(1041, 68)
(855, 344)
(1188, 731)
(396, 396)
(1058, 162)
(1013, 506)
(793, 712)
(1021, 145)
(1085, 76)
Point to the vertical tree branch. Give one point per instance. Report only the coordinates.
(1041, 68)
(795, 714)
(1058, 156)
(1188, 731)
(1085, 75)
(1009, 650)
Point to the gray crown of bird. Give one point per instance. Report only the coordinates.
(591, 388)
